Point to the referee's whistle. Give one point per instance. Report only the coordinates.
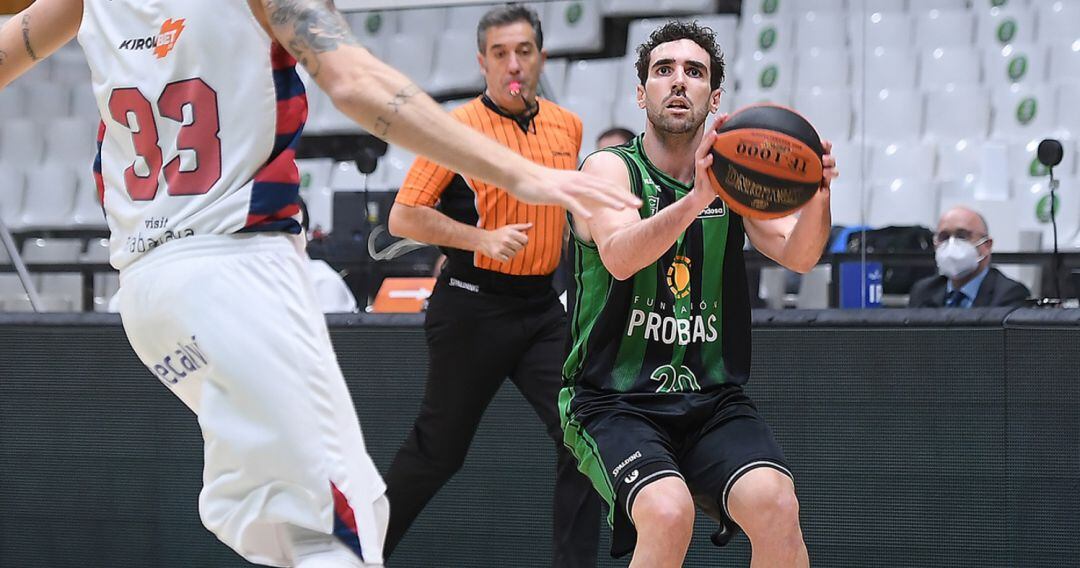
(515, 88)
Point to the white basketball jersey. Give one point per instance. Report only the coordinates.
(201, 112)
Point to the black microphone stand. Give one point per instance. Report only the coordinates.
(1049, 154)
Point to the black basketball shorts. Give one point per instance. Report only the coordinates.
(625, 442)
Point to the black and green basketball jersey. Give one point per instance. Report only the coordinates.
(680, 324)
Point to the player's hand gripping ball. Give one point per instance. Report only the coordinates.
(766, 161)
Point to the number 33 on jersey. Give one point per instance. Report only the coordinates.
(191, 145)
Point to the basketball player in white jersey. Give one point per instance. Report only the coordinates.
(201, 109)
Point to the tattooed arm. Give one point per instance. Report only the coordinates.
(389, 105)
(35, 33)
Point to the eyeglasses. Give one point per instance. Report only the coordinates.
(960, 234)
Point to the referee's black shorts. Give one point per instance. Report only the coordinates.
(624, 442)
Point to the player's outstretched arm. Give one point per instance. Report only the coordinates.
(35, 33)
(797, 243)
(626, 242)
(389, 105)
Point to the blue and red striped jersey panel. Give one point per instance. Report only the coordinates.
(345, 523)
(98, 181)
(275, 194)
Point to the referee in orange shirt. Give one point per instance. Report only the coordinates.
(494, 313)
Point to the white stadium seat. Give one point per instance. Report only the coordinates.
(63, 251)
(71, 140)
(83, 103)
(47, 100)
(638, 32)
(1059, 20)
(686, 6)
(726, 28)
(849, 191)
(554, 77)
(97, 252)
(87, 211)
(820, 29)
(829, 110)
(940, 67)
(834, 6)
(1031, 206)
(958, 113)
(910, 160)
(941, 28)
(49, 196)
(891, 115)
(1064, 64)
(424, 21)
(105, 286)
(625, 114)
(631, 7)
(885, 68)
(856, 7)
(919, 6)
(752, 8)
(960, 161)
(412, 53)
(903, 202)
(596, 116)
(373, 27)
(594, 78)
(21, 142)
(1015, 63)
(822, 67)
(1023, 112)
(61, 292)
(572, 27)
(769, 75)
(880, 29)
(760, 34)
(1066, 117)
(456, 68)
(70, 67)
(1003, 26)
(465, 19)
(12, 185)
(1024, 165)
(13, 101)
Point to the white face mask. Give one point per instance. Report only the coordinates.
(957, 257)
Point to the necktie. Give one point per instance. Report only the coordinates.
(954, 298)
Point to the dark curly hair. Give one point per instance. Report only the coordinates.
(674, 31)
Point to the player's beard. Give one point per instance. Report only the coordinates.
(667, 124)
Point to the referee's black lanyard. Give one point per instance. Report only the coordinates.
(525, 120)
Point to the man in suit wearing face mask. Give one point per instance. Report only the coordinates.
(962, 250)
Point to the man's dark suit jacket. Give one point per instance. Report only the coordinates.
(997, 290)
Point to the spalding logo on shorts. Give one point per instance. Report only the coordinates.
(632, 477)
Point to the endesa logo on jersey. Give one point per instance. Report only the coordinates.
(162, 43)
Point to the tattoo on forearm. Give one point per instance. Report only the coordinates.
(3, 56)
(400, 99)
(26, 37)
(316, 26)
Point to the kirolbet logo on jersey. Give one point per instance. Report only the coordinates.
(162, 43)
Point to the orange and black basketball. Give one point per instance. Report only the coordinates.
(766, 161)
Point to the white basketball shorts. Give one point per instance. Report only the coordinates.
(231, 325)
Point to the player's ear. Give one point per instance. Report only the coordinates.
(714, 100)
(640, 96)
